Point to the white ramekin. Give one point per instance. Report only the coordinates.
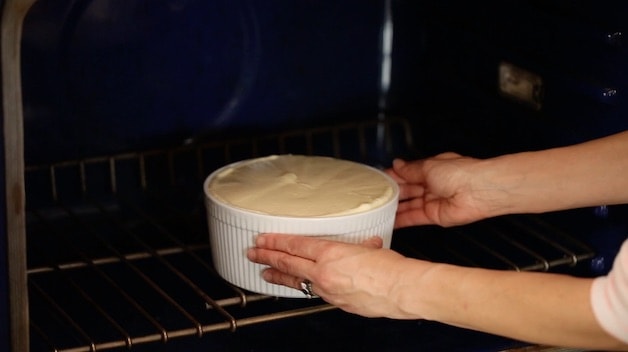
(232, 231)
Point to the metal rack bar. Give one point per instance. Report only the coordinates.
(163, 333)
(87, 298)
(210, 302)
(571, 257)
(59, 309)
(152, 338)
(544, 264)
(96, 268)
(486, 248)
(184, 278)
(113, 259)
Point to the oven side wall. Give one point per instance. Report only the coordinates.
(4, 286)
(13, 285)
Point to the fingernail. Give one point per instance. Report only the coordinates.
(250, 254)
(375, 242)
(397, 163)
(260, 240)
(266, 275)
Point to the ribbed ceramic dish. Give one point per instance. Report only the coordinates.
(232, 231)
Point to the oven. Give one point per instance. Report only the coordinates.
(114, 112)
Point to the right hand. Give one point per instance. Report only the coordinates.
(439, 190)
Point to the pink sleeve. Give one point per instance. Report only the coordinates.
(609, 297)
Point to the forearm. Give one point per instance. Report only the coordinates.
(535, 307)
(588, 174)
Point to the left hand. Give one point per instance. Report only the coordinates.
(358, 278)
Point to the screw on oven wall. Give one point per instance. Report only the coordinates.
(601, 211)
(598, 265)
(614, 39)
(609, 92)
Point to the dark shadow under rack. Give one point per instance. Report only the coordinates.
(118, 252)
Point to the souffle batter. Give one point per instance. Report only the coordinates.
(302, 186)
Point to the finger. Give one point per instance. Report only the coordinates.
(447, 155)
(275, 276)
(409, 191)
(415, 203)
(302, 246)
(282, 261)
(391, 172)
(409, 172)
(413, 217)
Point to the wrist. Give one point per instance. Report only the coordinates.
(412, 291)
(494, 186)
(526, 182)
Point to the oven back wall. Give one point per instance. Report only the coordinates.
(122, 75)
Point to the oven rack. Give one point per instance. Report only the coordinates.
(118, 253)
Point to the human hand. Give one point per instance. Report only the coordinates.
(358, 278)
(439, 190)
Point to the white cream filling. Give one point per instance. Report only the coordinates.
(302, 186)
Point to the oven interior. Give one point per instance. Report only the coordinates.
(137, 102)
(118, 250)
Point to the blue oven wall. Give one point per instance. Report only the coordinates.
(450, 83)
(106, 76)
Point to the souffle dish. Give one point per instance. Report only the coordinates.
(294, 194)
